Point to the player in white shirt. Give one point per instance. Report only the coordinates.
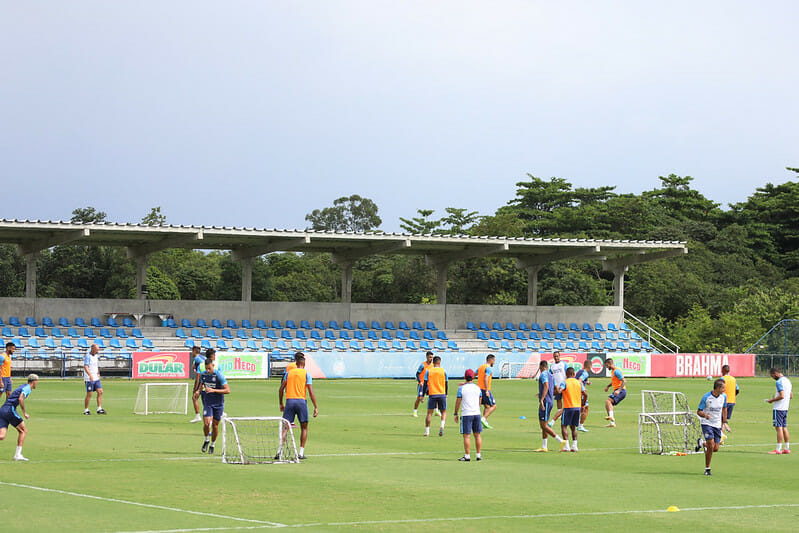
(713, 412)
(781, 402)
(558, 370)
(91, 378)
(469, 395)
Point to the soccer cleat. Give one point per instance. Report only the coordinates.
(277, 457)
(551, 423)
(723, 438)
(707, 472)
(574, 450)
(86, 412)
(563, 447)
(479, 459)
(205, 446)
(786, 452)
(196, 418)
(437, 412)
(211, 449)
(440, 432)
(20, 458)
(610, 418)
(464, 458)
(302, 457)
(416, 415)
(611, 425)
(582, 428)
(485, 424)
(698, 445)
(541, 450)
(776, 452)
(101, 411)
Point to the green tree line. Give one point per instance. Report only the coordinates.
(741, 274)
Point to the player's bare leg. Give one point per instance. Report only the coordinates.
(427, 420)
(583, 417)
(609, 410)
(206, 433)
(478, 444)
(195, 400)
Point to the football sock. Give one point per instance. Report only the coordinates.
(414, 412)
(574, 444)
(779, 446)
(19, 451)
(442, 424)
(427, 430)
(610, 413)
(566, 446)
(478, 456)
(466, 456)
(302, 450)
(544, 443)
(559, 438)
(208, 438)
(787, 446)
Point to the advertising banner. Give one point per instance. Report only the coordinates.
(160, 365)
(576, 360)
(701, 365)
(632, 365)
(242, 365)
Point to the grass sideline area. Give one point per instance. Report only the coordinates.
(370, 469)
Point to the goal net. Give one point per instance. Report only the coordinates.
(159, 398)
(666, 424)
(510, 370)
(254, 440)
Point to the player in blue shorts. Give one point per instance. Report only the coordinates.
(214, 387)
(421, 388)
(546, 389)
(469, 397)
(781, 403)
(713, 412)
(583, 374)
(9, 415)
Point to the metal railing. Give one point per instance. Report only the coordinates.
(659, 341)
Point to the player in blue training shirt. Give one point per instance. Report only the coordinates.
(713, 412)
(583, 376)
(9, 415)
(214, 387)
(196, 360)
(546, 391)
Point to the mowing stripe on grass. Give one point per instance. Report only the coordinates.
(473, 518)
(139, 504)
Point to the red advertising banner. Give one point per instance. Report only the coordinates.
(160, 365)
(701, 365)
(576, 360)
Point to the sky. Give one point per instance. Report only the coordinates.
(255, 113)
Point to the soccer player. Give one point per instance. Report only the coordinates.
(91, 378)
(5, 368)
(558, 370)
(196, 361)
(546, 390)
(573, 392)
(712, 410)
(781, 401)
(732, 391)
(9, 415)
(214, 386)
(435, 379)
(470, 396)
(295, 383)
(485, 374)
(583, 376)
(619, 385)
(421, 390)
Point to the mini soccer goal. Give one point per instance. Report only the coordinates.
(160, 398)
(256, 440)
(515, 370)
(666, 424)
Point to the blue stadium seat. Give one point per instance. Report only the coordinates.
(46, 322)
(599, 336)
(624, 327)
(63, 322)
(493, 345)
(431, 326)
(386, 334)
(557, 345)
(311, 345)
(562, 327)
(609, 346)
(621, 346)
(425, 345)
(484, 326)
(39, 332)
(114, 343)
(635, 346)
(271, 334)
(131, 343)
(470, 326)
(344, 334)
(136, 332)
(73, 333)
(14, 321)
(221, 344)
(286, 334)
(216, 323)
(261, 324)
(382, 345)
(403, 325)
(482, 335)
(30, 322)
(411, 345)
(230, 323)
(100, 342)
(111, 322)
(635, 336)
(121, 333)
(595, 346)
(170, 323)
(414, 335)
(189, 343)
(549, 327)
(439, 346)
(496, 326)
(316, 335)
(572, 336)
(340, 345)
(105, 333)
(646, 346)
(23, 332)
(510, 326)
(545, 346)
(318, 324)
(266, 345)
(372, 335)
(56, 332)
(611, 336)
(290, 324)
(50, 343)
(251, 346)
(612, 327)
(329, 335)
(304, 324)
(585, 336)
(428, 335)
(332, 324)
(532, 345)
(361, 325)
(241, 334)
(95, 322)
(127, 322)
(523, 327)
(521, 335)
(401, 335)
(573, 326)
(442, 335)
(507, 335)
(396, 345)
(534, 335)
(358, 334)
(587, 327)
(201, 323)
(535, 327)
(227, 334)
(548, 336)
(417, 325)
(256, 334)
(495, 336)
(518, 346)
(347, 325)
(624, 336)
(147, 344)
(33, 343)
(368, 345)
(326, 346)
(79, 322)
(185, 323)
(452, 346)
(211, 334)
(205, 344)
(83, 344)
(390, 325)
(376, 325)
(246, 324)
(570, 346)
(296, 345)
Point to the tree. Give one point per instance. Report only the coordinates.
(351, 213)
(87, 215)
(420, 225)
(154, 217)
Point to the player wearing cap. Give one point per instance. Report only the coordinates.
(781, 401)
(484, 376)
(712, 410)
(469, 397)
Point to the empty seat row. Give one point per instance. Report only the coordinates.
(558, 335)
(581, 346)
(510, 326)
(63, 322)
(304, 324)
(51, 343)
(73, 354)
(72, 333)
(312, 334)
(324, 344)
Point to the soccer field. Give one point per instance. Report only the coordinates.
(370, 469)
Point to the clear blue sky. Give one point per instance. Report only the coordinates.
(254, 113)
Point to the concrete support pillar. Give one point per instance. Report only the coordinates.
(246, 279)
(532, 284)
(618, 285)
(441, 282)
(346, 282)
(30, 274)
(141, 275)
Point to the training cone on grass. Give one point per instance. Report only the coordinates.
(673, 509)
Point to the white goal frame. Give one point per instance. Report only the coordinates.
(145, 388)
(517, 370)
(235, 455)
(670, 413)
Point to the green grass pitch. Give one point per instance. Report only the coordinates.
(370, 469)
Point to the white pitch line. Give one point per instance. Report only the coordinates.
(139, 504)
(475, 518)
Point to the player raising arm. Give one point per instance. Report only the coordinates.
(9, 415)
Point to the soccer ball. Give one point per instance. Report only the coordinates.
(710, 378)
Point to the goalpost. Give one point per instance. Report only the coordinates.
(258, 440)
(516, 370)
(666, 424)
(159, 398)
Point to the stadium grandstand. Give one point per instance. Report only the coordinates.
(52, 334)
